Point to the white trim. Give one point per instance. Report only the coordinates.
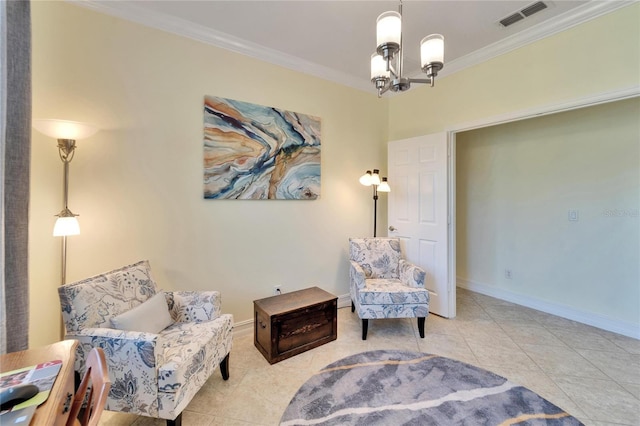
(587, 101)
(132, 12)
(557, 24)
(344, 301)
(561, 310)
(451, 231)
(243, 328)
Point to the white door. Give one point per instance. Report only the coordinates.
(418, 212)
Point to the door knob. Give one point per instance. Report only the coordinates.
(392, 228)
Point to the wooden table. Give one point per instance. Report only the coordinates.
(55, 410)
(294, 322)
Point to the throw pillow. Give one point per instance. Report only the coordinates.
(152, 316)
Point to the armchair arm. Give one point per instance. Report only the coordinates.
(410, 274)
(194, 306)
(356, 274)
(131, 360)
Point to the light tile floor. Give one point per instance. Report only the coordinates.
(591, 373)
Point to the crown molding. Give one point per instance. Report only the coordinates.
(131, 12)
(184, 28)
(557, 24)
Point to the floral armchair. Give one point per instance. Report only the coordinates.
(383, 284)
(159, 350)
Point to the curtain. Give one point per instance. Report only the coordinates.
(15, 157)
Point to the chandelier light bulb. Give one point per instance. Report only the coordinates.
(379, 67)
(432, 50)
(389, 28)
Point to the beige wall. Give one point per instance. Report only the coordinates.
(515, 186)
(137, 184)
(595, 57)
(599, 56)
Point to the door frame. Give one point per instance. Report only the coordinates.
(548, 109)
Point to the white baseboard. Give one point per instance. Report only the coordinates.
(596, 320)
(344, 301)
(245, 327)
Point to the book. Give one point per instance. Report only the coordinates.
(42, 375)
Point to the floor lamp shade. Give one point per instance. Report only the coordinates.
(66, 226)
(384, 186)
(64, 129)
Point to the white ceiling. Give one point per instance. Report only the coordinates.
(335, 39)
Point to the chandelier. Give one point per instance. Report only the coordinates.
(386, 63)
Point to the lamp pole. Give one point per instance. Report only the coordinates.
(375, 209)
(379, 185)
(66, 132)
(66, 149)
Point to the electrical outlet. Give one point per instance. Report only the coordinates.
(277, 290)
(507, 274)
(573, 215)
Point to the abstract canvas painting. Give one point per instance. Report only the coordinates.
(259, 152)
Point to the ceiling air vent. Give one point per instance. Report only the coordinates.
(533, 8)
(523, 13)
(511, 19)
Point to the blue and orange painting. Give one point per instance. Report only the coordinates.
(255, 152)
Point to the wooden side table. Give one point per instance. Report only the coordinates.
(291, 323)
(55, 410)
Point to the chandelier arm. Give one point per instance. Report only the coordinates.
(391, 69)
(401, 51)
(421, 80)
(391, 50)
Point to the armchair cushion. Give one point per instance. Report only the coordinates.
(382, 283)
(391, 292)
(152, 374)
(188, 349)
(151, 316)
(378, 257)
(411, 275)
(194, 306)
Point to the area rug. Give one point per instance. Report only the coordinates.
(393, 388)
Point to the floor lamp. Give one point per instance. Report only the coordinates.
(66, 132)
(379, 185)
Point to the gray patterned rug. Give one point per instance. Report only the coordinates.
(393, 388)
